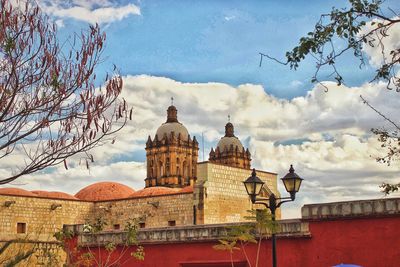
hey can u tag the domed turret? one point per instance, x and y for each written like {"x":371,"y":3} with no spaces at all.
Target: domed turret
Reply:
{"x":230,"y":151}
{"x":172,"y":125}
{"x":229,"y":139}
{"x":172,"y":154}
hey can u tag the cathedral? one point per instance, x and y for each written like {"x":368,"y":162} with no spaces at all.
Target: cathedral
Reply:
{"x":172,"y":155}
{"x":183,"y":210}
{"x":179,"y":190}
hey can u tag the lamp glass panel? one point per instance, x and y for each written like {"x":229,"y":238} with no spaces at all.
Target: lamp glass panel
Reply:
{"x":298,"y":184}
{"x":249,"y":188}
{"x":289,"y":184}
{"x":258,"y":187}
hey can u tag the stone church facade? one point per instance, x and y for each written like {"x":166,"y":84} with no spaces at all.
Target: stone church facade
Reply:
{"x":179,"y":190}
{"x":172,"y":155}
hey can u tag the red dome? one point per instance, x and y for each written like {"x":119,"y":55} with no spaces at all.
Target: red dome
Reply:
{"x":104,"y":191}
{"x":16,"y":192}
{"x":47,"y":194}
{"x":155,"y":191}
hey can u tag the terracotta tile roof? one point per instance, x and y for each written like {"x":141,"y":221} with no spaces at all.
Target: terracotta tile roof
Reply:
{"x":160,"y":190}
{"x":48,"y":194}
{"x":155,"y":191}
{"x":104,"y":191}
{"x":187,"y":189}
{"x":16,"y":192}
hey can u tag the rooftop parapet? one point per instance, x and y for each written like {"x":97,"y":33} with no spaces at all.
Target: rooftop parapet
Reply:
{"x":194,"y":233}
{"x":351,"y":209}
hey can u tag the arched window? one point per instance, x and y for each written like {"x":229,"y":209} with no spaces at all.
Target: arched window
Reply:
{"x":178,"y":171}
{"x":161,"y":169}
{"x":185,"y":173}
{"x":151,"y":168}
{"x":167,"y":167}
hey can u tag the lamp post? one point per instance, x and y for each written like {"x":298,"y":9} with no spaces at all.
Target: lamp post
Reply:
{"x":254,"y":185}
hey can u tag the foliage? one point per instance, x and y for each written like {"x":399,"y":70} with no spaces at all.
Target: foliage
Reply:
{"x":97,"y":226}
{"x":85,"y":259}
{"x":362,"y":25}
{"x":131,"y":228}
{"x":349,"y":26}
{"x":391,"y":141}
{"x":115,"y":252}
{"x":50,"y":108}
{"x":139,"y":253}
{"x":63,"y":234}
{"x":389,"y":188}
{"x":239,"y":236}
{"x":264,"y":223}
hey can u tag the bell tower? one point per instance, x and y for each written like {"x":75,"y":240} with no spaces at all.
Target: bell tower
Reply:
{"x":172,"y":155}
{"x":230,"y":150}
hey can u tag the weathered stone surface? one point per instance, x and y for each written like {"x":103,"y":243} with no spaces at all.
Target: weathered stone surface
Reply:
{"x":41,"y":220}
{"x":359,"y":208}
{"x":221,"y":196}
{"x":195,"y":233}
{"x":153,"y":211}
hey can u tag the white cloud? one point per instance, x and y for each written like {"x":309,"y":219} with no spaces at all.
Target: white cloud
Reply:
{"x":326,"y":135}
{"x":126,"y":172}
{"x":295,"y":84}
{"x":88,"y":10}
{"x":228,"y":18}
{"x":380,"y":52}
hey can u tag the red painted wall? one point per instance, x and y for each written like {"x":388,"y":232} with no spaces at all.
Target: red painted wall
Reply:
{"x":372,"y":242}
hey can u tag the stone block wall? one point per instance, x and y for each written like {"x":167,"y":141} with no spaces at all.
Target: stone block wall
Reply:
{"x":220,"y":196}
{"x":154,"y":211}
{"x":41,"y":220}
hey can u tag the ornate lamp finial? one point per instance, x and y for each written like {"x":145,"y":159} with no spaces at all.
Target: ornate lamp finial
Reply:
{"x":172,"y":101}
{"x":229,"y":118}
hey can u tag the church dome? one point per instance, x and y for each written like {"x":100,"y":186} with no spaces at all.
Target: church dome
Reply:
{"x":16,"y":192}
{"x":168,"y":127}
{"x":104,"y":191}
{"x":229,"y":139}
{"x":226,"y":142}
{"x":172,"y":125}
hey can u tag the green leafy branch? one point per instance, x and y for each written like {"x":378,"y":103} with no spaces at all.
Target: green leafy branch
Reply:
{"x":347,"y":25}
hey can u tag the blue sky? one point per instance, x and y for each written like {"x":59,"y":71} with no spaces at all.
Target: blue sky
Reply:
{"x":219,"y":41}
{"x":205,"y":54}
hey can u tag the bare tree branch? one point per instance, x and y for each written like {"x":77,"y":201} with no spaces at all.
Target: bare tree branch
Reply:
{"x":50,"y":107}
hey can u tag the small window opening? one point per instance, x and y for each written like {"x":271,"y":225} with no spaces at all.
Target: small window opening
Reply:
{"x":142,"y":225}
{"x":21,"y":228}
{"x":171,"y":223}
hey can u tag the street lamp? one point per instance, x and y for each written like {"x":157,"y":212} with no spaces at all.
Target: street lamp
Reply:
{"x":254,"y":185}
